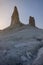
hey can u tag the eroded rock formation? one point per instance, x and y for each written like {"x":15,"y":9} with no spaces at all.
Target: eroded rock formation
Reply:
{"x":32,"y":21}
{"x":15,"y":21}
{"x":15,"y":17}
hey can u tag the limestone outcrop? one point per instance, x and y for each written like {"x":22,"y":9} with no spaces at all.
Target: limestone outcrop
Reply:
{"x":15,"y":18}
{"x":15,"y":21}
{"x":31,"y":21}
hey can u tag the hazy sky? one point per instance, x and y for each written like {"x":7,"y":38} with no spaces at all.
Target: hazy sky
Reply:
{"x":26,"y":8}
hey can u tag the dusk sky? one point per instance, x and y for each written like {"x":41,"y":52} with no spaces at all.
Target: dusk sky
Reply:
{"x":26,"y":8}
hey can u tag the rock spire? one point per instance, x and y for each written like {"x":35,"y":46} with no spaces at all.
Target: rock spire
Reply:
{"x":31,"y":21}
{"x":15,"y":21}
{"x":15,"y":17}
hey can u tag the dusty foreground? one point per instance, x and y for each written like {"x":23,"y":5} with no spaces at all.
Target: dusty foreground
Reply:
{"x":21,"y":47}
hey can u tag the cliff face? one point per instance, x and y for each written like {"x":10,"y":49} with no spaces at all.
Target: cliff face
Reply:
{"x":32,"y":21}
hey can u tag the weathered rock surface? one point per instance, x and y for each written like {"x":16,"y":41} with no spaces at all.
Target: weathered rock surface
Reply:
{"x":15,"y":17}
{"x":32,"y":21}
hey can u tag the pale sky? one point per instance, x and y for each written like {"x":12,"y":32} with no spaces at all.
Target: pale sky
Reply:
{"x":26,"y":8}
